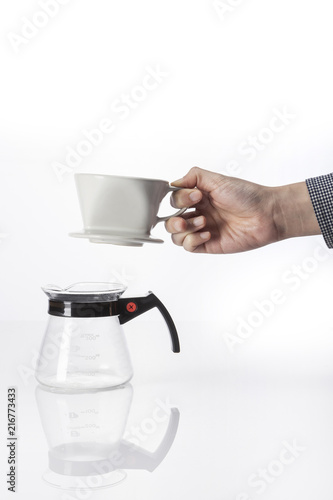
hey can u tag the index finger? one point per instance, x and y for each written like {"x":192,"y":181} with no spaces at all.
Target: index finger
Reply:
{"x":185,"y":198}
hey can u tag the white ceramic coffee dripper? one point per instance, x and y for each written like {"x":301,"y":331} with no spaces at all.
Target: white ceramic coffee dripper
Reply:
{"x":121,"y":210}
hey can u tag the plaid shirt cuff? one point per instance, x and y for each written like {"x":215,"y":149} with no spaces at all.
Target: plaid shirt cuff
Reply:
{"x":321,"y":194}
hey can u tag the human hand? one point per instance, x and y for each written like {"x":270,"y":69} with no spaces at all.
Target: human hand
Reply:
{"x":233,"y":215}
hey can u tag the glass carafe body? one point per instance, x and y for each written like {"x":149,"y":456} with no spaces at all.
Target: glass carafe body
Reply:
{"x":84,"y":353}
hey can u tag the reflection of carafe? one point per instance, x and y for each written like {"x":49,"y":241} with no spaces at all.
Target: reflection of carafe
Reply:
{"x":84,"y":346}
{"x":84,"y":431}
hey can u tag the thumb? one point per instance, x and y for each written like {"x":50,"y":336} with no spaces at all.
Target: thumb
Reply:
{"x":199,"y":178}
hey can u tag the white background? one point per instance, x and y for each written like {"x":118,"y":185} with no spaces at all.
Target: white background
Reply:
{"x":225,"y":79}
{"x":226,"y":75}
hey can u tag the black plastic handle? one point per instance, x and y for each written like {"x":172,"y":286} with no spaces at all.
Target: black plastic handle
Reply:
{"x":132,"y":307}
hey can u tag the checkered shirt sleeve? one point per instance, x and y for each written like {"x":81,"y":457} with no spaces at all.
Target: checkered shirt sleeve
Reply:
{"x":321,"y":194}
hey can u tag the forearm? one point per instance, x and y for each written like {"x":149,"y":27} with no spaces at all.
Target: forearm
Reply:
{"x":293,"y":212}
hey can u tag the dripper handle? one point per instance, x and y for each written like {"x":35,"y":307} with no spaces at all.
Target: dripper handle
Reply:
{"x":177,"y":214}
{"x":130,"y":308}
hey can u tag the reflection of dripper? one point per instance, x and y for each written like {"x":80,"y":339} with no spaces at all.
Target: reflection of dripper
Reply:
{"x":84,"y":432}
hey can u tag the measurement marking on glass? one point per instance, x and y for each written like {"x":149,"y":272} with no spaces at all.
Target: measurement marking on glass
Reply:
{"x":89,"y":336}
{"x":91,"y":358}
{"x":88,"y":357}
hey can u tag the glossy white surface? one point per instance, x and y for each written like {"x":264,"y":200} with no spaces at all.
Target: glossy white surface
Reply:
{"x":240,"y":414}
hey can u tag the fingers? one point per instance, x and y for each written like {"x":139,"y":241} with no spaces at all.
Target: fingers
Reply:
{"x":180,"y":225}
{"x":185,"y":198}
{"x":200,"y":178}
{"x":188,"y":233}
{"x":193,"y":241}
